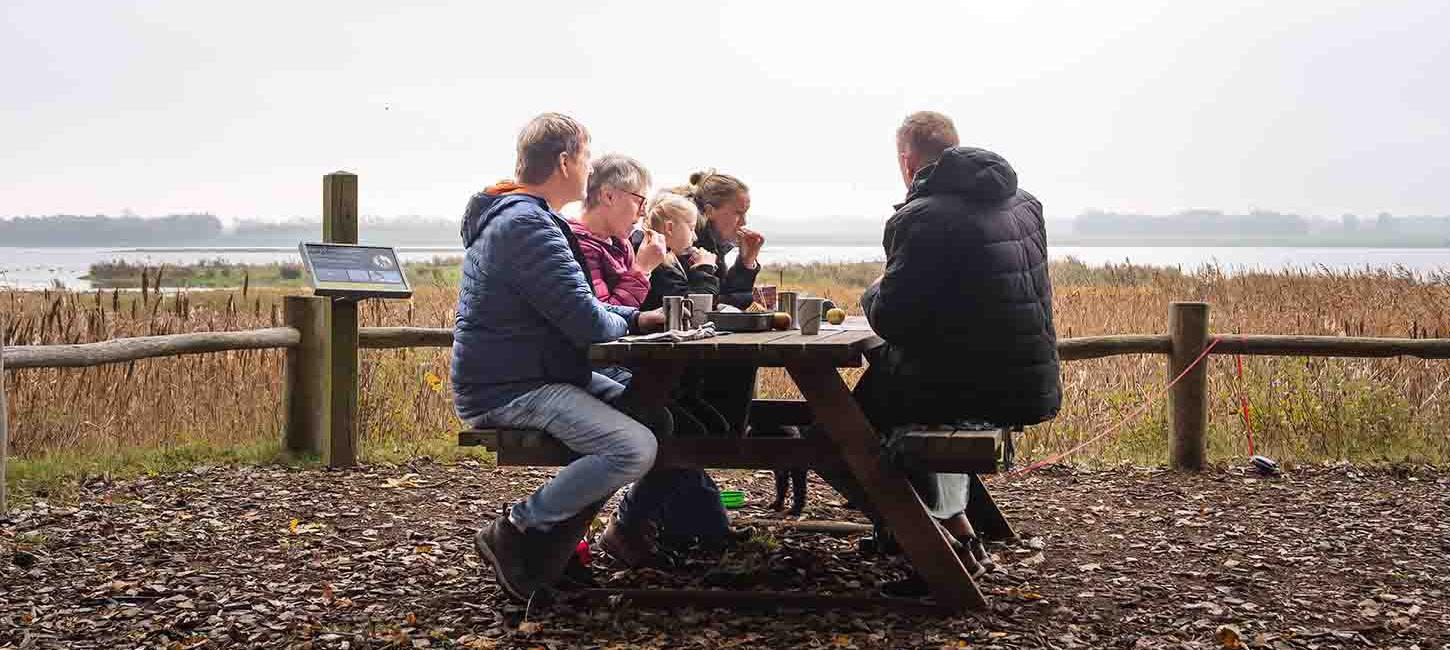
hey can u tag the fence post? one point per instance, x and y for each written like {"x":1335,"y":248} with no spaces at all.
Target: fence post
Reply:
{"x":339,"y":226}
{"x":307,"y":377}
{"x":1188,"y":401}
{"x":4,"y":423}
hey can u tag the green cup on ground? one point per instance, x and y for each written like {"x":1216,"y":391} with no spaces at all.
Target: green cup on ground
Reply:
{"x":732,"y":498}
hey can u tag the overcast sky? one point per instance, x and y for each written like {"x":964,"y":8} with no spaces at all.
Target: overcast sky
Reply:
{"x":238,"y":108}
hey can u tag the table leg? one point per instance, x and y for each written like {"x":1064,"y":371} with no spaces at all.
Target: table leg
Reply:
{"x":891,"y":492}
{"x":987,"y":519}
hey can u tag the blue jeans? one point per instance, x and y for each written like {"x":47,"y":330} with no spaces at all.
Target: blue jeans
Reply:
{"x":616,"y":450}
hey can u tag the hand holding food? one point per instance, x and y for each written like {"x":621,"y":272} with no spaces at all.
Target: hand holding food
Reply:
{"x":651,"y":252}
{"x":701,"y":257}
{"x":750,"y":244}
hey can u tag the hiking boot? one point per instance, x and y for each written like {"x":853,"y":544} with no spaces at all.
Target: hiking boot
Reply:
{"x":549,"y":551}
{"x":505,"y":547}
{"x":630,"y":545}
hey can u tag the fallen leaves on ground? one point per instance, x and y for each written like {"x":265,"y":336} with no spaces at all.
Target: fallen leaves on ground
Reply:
{"x":1322,"y":557}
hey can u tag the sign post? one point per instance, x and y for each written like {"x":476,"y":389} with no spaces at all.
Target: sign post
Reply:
{"x":339,"y":225}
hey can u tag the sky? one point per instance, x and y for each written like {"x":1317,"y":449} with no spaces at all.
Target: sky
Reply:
{"x":239,"y":108}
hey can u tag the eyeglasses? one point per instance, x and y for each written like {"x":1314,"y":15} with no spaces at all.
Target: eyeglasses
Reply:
{"x":639,"y":196}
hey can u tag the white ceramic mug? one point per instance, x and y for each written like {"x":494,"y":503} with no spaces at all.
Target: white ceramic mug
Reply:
{"x":808,"y":310}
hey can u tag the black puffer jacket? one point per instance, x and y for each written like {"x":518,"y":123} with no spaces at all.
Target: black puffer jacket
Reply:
{"x":965,"y":304}
{"x":675,"y":277}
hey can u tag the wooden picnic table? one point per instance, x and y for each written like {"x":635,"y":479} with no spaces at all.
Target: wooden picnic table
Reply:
{"x":849,"y":442}
{"x":812,"y":362}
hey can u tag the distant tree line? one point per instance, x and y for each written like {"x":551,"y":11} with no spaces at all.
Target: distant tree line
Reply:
{"x":206,"y":230}
{"x":1193,"y":227}
{"x":1262,"y":227}
{"x":75,"y":230}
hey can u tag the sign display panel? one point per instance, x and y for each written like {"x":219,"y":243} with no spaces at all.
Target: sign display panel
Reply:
{"x":352,"y":271}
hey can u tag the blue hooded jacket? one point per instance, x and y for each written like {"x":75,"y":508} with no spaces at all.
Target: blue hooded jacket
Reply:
{"x":526,"y":311}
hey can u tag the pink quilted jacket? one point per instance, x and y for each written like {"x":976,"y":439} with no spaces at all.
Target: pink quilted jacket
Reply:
{"x":611,"y":268}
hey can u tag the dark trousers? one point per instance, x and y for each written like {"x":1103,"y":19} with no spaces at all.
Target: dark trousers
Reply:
{"x":730,"y":390}
{"x":686,"y":502}
{"x":682,"y":502}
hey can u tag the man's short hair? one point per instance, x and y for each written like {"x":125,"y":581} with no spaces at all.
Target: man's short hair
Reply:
{"x":540,"y":143}
{"x":926,"y":134}
{"x":615,"y":171}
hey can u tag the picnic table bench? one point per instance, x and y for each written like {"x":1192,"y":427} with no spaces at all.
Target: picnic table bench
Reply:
{"x":849,"y":441}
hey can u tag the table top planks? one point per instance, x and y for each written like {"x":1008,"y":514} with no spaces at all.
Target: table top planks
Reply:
{"x":838,"y":345}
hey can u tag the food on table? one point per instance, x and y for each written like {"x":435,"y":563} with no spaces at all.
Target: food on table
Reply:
{"x":780,"y":320}
{"x":836,"y":315}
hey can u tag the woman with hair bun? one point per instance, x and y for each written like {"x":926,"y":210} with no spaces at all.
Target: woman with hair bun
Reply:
{"x":723,"y":201}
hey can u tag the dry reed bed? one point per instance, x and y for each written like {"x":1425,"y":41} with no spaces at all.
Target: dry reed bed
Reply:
{"x":1305,"y":409}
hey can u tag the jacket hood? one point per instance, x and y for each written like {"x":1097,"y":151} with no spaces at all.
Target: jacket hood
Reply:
{"x":978,"y":174}
{"x":479,"y":205}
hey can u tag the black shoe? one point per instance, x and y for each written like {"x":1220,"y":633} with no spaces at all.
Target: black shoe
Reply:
{"x":506,"y":548}
{"x":881,"y":542}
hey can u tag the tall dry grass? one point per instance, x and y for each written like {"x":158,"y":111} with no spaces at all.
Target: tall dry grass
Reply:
{"x":1303,"y":409}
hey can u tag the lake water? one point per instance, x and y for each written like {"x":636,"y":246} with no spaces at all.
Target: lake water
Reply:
{"x":31,"y":268}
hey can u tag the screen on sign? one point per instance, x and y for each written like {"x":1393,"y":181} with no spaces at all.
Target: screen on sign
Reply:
{"x":342,"y":269}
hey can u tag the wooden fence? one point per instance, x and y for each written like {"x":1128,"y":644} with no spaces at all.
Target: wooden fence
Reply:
{"x":322,"y":340}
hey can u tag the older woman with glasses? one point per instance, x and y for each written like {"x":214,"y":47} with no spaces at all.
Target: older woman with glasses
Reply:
{"x":613,"y":202}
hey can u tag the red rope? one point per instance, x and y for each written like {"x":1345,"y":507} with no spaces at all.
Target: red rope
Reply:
{"x":1131,"y":416}
{"x":1244,"y":402}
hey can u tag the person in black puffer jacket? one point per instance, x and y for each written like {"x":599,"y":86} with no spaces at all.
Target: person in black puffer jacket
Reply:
{"x":965,"y":308}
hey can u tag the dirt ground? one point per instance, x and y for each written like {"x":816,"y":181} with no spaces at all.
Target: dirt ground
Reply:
{"x":1323,"y":557}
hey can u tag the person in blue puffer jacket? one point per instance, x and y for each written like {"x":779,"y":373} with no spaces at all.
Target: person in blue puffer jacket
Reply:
{"x":525,"y":319}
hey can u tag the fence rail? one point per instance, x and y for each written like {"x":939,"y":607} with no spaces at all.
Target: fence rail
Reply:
{"x":379,"y":338}
{"x":86,"y":355}
{"x":1331,"y":346}
{"x":1095,"y":347}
